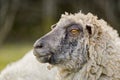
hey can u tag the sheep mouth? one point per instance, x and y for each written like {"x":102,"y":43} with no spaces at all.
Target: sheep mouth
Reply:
{"x":44,"y":56}
{"x":48,"y":58}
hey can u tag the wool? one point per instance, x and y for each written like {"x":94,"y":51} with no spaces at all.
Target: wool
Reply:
{"x":101,"y":45}
{"x":28,"y":68}
{"x":104,"y":50}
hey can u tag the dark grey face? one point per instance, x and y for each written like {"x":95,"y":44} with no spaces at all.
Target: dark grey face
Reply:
{"x":64,"y":46}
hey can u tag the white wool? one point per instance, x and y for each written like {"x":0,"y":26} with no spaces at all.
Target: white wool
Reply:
{"x":28,"y":68}
{"x":103,"y":62}
{"x":104,"y":50}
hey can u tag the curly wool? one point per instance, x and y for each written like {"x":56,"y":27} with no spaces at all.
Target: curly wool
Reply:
{"x":103,"y":53}
{"x":104,"y":50}
{"x":28,"y":68}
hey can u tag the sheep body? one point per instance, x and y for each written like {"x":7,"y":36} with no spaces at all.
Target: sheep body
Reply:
{"x":28,"y":68}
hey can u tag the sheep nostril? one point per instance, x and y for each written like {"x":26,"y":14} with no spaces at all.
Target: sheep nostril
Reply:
{"x":39,"y":46}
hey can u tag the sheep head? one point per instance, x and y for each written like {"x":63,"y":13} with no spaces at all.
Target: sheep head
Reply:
{"x":66,"y":44}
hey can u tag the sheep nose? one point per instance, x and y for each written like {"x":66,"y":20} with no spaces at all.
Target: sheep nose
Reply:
{"x":39,"y":44}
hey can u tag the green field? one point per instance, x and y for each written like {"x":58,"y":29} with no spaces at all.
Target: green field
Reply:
{"x":12,"y":52}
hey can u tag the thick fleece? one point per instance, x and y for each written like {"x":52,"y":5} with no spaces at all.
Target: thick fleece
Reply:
{"x":28,"y":68}
{"x":83,"y":47}
{"x":103,"y":50}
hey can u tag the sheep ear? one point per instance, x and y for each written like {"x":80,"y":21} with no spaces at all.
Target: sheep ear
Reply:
{"x":89,"y":29}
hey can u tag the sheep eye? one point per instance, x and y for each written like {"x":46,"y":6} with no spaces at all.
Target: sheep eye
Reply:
{"x":75,"y":32}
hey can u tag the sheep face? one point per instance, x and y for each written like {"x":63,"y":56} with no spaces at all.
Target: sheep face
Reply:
{"x":63,"y":46}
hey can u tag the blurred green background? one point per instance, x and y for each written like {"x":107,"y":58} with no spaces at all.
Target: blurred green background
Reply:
{"x":22,"y":22}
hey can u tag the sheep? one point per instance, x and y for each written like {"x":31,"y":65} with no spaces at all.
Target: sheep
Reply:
{"x":28,"y":68}
{"x":82,"y":47}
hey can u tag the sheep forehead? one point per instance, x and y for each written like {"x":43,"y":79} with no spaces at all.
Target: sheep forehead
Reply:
{"x":78,"y":18}
{"x":65,"y":21}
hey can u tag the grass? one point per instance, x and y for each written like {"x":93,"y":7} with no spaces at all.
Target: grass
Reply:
{"x":12,"y":52}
